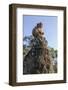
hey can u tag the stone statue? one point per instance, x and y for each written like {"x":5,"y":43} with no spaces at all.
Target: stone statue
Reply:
{"x":38,"y":59}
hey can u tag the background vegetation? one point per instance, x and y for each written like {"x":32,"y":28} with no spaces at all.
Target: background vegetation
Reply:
{"x":27,"y":43}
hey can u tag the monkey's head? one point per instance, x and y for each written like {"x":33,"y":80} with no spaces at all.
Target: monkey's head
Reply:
{"x":38,"y":30}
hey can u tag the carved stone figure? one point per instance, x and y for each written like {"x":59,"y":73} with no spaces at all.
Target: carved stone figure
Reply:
{"x":38,"y":59}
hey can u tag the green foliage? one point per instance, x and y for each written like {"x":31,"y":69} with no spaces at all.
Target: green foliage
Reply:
{"x":28,"y":40}
{"x":27,"y":44}
{"x":53,"y":52}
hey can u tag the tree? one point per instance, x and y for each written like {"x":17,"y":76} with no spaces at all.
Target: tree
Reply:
{"x":55,"y":53}
{"x":27,"y":41}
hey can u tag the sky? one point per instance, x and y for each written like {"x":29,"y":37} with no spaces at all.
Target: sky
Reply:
{"x":49,"y":26}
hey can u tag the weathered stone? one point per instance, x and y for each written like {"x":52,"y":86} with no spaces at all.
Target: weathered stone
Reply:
{"x":38,"y":59}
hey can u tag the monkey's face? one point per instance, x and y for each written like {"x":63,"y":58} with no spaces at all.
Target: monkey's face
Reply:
{"x":40,"y":32}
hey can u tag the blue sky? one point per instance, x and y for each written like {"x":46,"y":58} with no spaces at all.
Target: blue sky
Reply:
{"x":49,"y":26}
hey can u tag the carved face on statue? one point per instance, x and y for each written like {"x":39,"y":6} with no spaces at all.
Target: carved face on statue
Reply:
{"x":38,"y":30}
